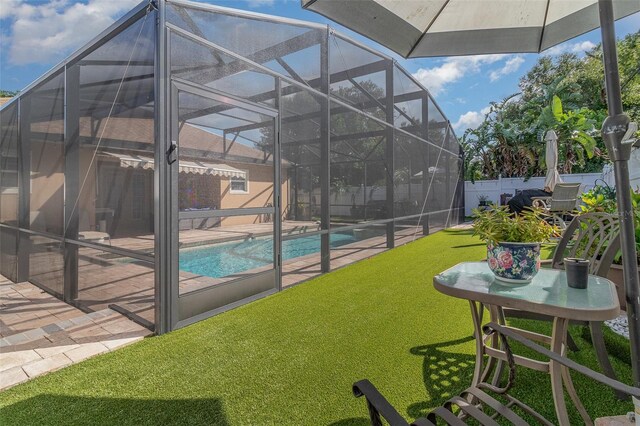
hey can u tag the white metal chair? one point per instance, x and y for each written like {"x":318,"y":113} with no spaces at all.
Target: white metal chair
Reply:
{"x":561,"y":204}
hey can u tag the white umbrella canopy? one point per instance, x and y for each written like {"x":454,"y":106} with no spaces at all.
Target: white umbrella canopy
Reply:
{"x":551,"y":160}
{"x":420,"y":28}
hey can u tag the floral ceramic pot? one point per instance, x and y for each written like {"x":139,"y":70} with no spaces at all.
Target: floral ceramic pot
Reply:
{"x":514,"y":262}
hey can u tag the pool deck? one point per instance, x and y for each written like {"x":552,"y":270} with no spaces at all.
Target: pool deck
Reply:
{"x":126,"y":285}
{"x":105,"y":282}
{"x":196,"y":237}
{"x":130,"y":286}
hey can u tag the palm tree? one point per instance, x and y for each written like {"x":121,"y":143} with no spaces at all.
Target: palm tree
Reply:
{"x":509,"y":141}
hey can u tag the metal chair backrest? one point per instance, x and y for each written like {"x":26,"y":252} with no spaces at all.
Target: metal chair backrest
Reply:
{"x":564,"y":197}
{"x":594,"y":236}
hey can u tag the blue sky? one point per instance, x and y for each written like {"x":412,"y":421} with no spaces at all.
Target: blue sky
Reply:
{"x":36,"y":35}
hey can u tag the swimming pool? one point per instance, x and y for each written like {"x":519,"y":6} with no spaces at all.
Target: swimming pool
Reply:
{"x":221,"y":260}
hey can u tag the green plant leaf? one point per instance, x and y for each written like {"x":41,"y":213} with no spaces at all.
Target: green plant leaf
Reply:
{"x":587,"y":141}
{"x":556,"y":108}
{"x":498,"y":224}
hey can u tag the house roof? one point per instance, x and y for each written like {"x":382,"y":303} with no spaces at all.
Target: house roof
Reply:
{"x":141,"y":131}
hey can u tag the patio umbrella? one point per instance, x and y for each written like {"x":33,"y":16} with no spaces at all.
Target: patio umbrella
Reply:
{"x":551,"y":160}
{"x":421,"y":28}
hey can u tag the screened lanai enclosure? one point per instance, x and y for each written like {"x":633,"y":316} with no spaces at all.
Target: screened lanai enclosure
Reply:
{"x":193,"y":158}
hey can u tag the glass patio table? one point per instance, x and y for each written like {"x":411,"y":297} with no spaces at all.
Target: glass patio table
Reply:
{"x":549,"y":294}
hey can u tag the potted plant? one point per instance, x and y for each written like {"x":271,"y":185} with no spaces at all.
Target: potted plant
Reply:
{"x":513,"y":241}
{"x":483,"y":200}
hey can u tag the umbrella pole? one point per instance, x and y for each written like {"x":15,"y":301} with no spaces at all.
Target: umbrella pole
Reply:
{"x":613,"y":130}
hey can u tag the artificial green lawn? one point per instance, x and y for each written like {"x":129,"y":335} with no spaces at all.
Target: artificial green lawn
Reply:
{"x":291,"y":358}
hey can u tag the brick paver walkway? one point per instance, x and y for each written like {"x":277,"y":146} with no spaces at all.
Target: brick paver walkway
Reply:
{"x":40,"y":334}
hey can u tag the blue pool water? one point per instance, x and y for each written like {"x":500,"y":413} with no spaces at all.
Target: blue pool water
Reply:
{"x":221,"y":260}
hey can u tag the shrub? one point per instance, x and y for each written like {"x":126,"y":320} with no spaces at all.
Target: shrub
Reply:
{"x":498,"y":224}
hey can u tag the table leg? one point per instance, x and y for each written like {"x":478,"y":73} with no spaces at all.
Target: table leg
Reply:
{"x":497,"y":316}
{"x":476,"y":315}
{"x":491,"y":362}
{"x":558,"y":338}
{"x":603,"y":357}
{"x":571,"y":390}
{"x":493,"y":365}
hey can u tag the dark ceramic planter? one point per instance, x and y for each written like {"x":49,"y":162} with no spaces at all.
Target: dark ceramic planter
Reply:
{"x":514,"y":263}
{"x":577,"y":272}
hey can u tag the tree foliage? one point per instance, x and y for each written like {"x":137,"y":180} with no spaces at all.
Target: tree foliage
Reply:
{"x":7,"y":93}
{"x":564,"y":94}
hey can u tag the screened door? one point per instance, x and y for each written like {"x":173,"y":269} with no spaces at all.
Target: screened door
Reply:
{"x":224,"y":154}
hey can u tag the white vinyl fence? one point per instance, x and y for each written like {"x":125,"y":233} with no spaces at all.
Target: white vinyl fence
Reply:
{"x":634,"y":171}
{"x":341,"y":202}
{"x":493,"y":188}
{"x":410,"y":194}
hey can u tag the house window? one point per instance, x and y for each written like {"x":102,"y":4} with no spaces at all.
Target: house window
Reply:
{"x":198,"y":192}
{"x":240,"y":185}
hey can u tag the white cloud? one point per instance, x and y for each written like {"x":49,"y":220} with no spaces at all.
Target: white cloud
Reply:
{"x":453,"y":69}
{"x":50,"y":30}
{"x":512,"y":65}
{"x":578,"y":47}
{"x":471,"y":119}
{"x":582,"y":47}
{"x":8,"y":7}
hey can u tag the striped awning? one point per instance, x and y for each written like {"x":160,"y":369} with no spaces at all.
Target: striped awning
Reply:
{"x":194,"y":167}
{"x":200,"y":168}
